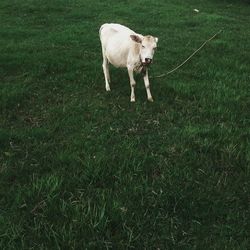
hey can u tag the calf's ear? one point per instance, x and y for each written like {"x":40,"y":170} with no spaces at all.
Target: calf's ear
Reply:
{"x":136,"y":38}
{"x":156,"y":39}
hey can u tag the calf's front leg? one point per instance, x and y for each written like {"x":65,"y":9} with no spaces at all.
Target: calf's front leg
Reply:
{"x":132,"y":83}
{"x":147,"y":86}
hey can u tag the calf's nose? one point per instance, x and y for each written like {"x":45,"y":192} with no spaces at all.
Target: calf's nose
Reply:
{"x":148,"y":60}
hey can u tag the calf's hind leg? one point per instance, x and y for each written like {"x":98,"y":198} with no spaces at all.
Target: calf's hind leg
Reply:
{"x":105,"y":66}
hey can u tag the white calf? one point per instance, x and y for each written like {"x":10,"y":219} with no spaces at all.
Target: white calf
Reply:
{"x":122,"y":47}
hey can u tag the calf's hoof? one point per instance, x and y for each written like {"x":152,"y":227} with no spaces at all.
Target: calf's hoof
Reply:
{"x":132,"y":100}
{"x":108,"y":88}
{"x":150,"y":99}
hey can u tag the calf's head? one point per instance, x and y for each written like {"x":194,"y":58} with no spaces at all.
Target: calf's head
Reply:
{"x":147,"y":46}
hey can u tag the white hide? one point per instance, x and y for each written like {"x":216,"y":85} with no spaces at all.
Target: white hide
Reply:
{"x":122,"y":47}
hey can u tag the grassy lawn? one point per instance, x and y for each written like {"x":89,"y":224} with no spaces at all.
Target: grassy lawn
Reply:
{"x":84,"y":169}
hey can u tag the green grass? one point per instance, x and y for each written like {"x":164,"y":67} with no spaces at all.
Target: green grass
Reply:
{"x":84,"y":169}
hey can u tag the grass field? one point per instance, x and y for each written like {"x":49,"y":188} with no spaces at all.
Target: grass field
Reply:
{"x":85,"y":169}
